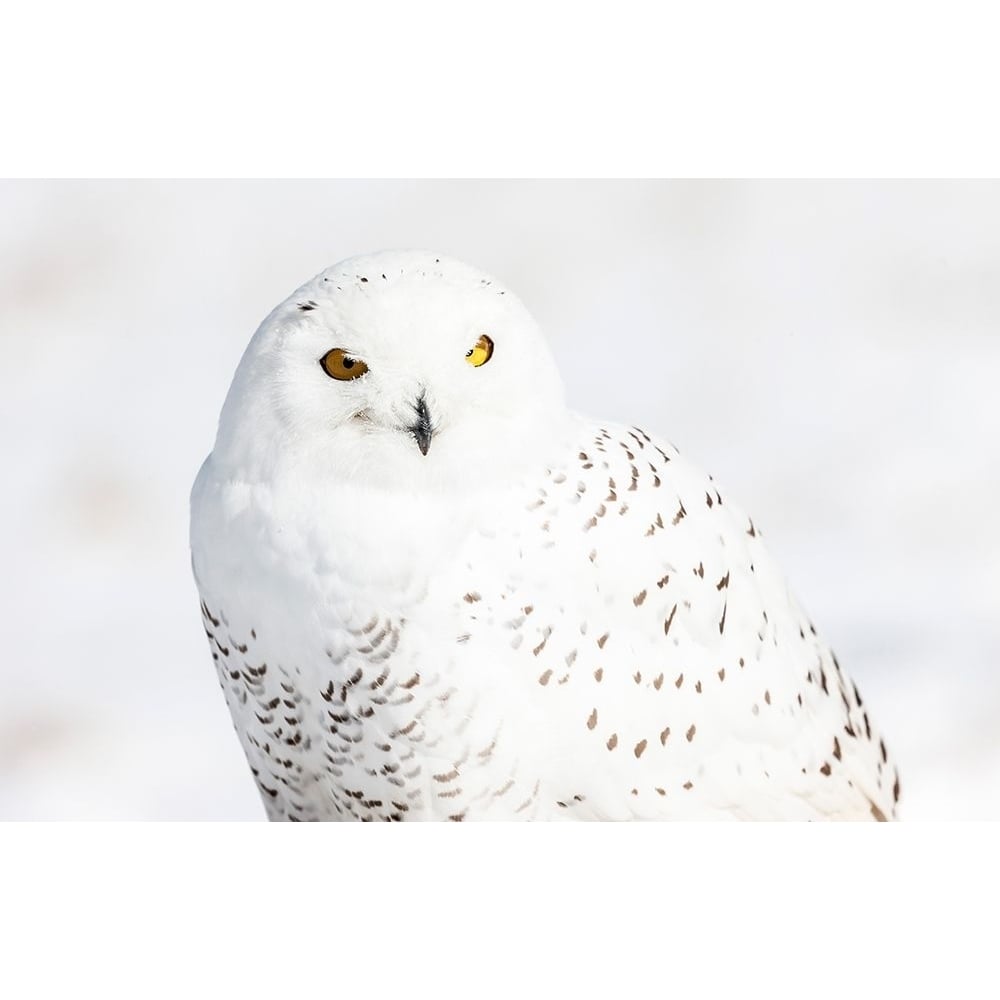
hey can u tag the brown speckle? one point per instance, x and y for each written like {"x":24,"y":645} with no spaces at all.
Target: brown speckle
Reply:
{"x":599,"y":674}
{"x":825,"y":769}
{"x":664,"y":736}
{"x":544,"y":678}
{"x":669,"y":620}
{"x":639,"y":748}
{"x":504,"y":788}
{"x":592,"y":721}
{"x":689,"y":735}
{"x":613,"y":741}
{"x":540,"y":646}
{"x":639,"y":598}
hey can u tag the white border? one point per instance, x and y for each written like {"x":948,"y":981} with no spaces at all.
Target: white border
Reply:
{"x":443,"y":88}
{"x":546,"y":910}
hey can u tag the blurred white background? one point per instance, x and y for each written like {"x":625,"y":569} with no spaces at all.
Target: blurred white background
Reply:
{"x":829,"y":350}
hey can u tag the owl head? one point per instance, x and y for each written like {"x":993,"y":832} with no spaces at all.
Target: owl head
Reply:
{"x":399,"y":368}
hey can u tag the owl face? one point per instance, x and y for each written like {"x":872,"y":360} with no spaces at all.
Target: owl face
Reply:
{"x":398,"y":367}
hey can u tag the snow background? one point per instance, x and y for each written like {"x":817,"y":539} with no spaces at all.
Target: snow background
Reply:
{"x":829,"y":350}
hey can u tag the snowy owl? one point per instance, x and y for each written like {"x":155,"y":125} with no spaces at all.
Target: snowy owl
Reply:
{"x":432,"y":591}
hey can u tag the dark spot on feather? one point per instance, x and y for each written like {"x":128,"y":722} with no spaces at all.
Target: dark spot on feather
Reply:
{"x":669,"y":620}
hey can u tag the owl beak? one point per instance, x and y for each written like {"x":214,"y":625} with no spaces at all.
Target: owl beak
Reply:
{"x":421,"y":430}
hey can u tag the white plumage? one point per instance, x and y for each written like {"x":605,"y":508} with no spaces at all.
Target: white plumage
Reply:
{"x":431,"y":591}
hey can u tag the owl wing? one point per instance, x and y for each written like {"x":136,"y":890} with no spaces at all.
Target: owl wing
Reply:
{"x":669,"y":668}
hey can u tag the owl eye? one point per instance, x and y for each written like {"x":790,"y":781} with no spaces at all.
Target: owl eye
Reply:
{"x":341,"y":366}
{"x":478,"y":356}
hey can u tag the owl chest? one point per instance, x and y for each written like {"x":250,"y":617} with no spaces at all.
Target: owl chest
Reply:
{"x":364,"y":707}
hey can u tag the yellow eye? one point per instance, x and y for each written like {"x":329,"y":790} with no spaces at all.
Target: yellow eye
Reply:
{"x":481,"y":353}
{"x":341,"y":366}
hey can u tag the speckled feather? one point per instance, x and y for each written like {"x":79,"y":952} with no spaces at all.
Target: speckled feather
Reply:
{"x":575,"y":623}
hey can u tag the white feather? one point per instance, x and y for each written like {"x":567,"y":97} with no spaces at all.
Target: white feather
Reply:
{"x":542,"y":617}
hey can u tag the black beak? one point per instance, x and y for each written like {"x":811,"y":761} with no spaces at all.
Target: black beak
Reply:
{"x":421,"y":430}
